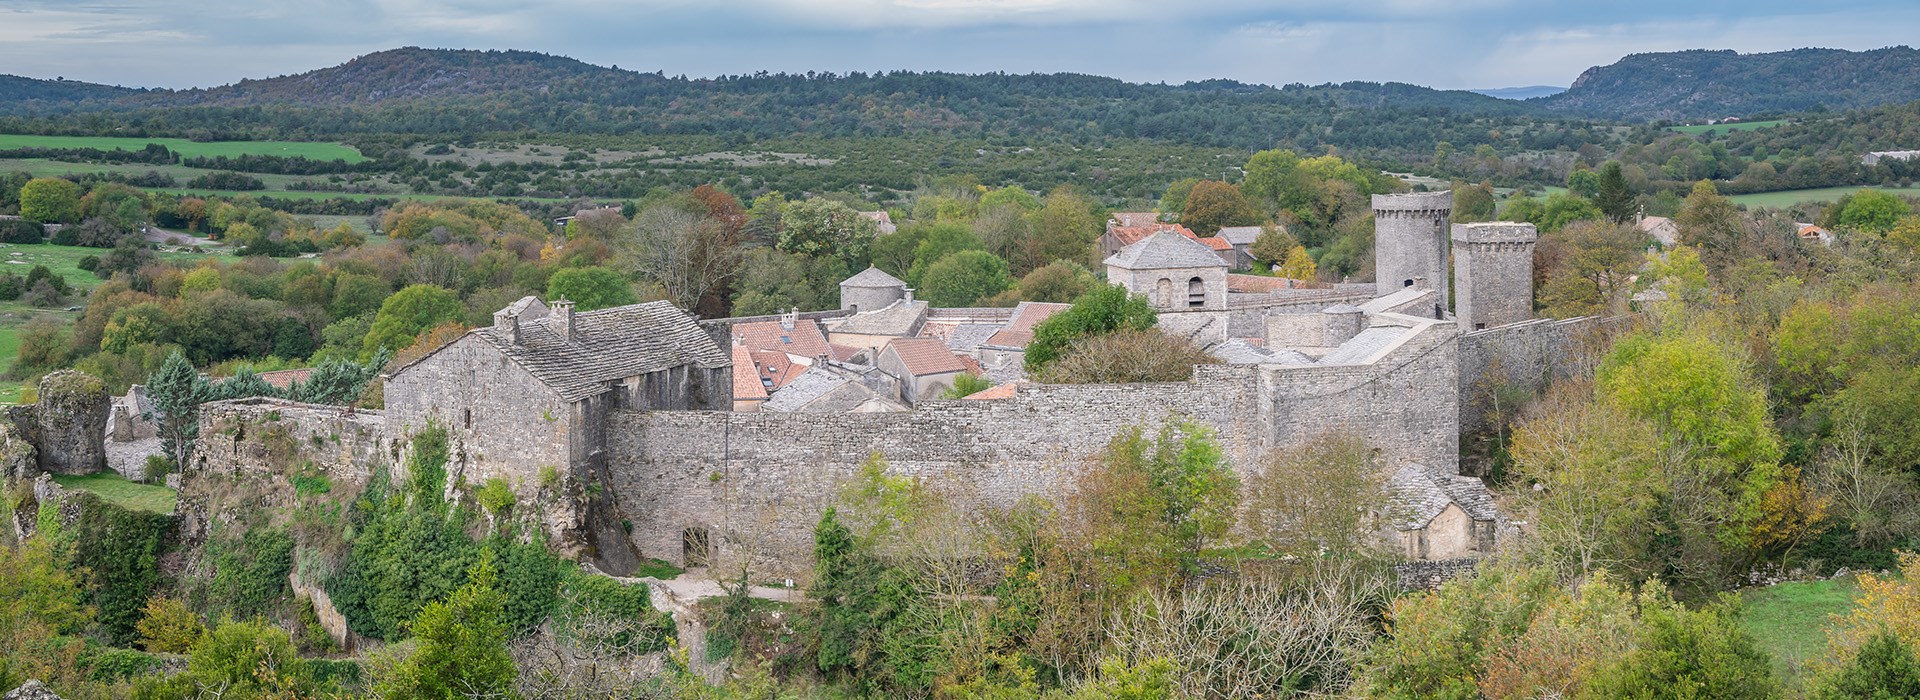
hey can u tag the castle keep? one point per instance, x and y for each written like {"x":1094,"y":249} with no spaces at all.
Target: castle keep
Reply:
{"x":696,"y":441}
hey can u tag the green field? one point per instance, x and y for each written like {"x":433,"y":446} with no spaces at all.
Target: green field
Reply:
{"x":191,"y":149}
{"x":64,"y":261}
{"x":1696,"y":129}
{"x":110,"y":487}
{"x":1790,"y":621}
{"x":1788,"y":198}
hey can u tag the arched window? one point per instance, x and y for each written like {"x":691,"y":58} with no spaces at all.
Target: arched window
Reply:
{"x":1196,"y":293}
{"x":1163,"y":294}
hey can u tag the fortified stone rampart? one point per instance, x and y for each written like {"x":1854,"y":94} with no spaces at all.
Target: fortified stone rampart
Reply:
{"x":1501,"y":366}
{"x":1410,"y":241}
{"x":710,"y":484}
{"x":262,"y":436}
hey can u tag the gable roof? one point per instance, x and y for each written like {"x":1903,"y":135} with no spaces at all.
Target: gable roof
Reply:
{"x":1239,"y":235}
{"x":873,"y":278}
{"x":1417,"y":496}
{"x":608,"y":345}
{"x":1019,"y":332}
{"x":1133,"y":218}
{"x":1364,"y":345}
{"x":1217,"y":243}
{"x":1164,"y":251}
{"x":284,"y":378}
{"x":925,"y":356}
{"x":746,"y":385}
{"x":1129,"y":235}
{"x":805,"y":389}
{"x":803,"y":338}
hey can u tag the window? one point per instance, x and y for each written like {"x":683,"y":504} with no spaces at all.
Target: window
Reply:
{"x":1407,"y":283}
{"x":469,"y":419}
{"x":1163,"y":294}
{"x":1196,"y":293}
{"x":786,"y":339}
{"x":1479,"y":326}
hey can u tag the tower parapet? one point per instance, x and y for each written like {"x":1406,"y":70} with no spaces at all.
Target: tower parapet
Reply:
{"x":1410,"y":241}
{"x":1493,"y":273}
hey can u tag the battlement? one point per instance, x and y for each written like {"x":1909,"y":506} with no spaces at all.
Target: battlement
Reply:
{"x":1495,"y":232}
{"x":1412,"y":202}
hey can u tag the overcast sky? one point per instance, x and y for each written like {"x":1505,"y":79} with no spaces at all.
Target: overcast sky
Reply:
{"x":1441,"y":43}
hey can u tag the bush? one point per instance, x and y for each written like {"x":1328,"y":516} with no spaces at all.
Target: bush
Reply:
{"x":227,"y":181}
{"x":19,"y":231}
{"x":88,"y":263}
{"x":250,"y":572}
{"x":120,"y":548}
{"x":1127,"y":356}
{"x":1102,"y":310}
{"x":169,"y":627}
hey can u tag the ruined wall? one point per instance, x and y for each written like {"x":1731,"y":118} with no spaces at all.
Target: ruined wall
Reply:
{"x":759,"y":481}
{"x":250,"y":436}
{"x":72,"y":410}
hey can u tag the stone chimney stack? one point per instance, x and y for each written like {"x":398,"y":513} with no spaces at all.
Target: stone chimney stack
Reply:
{"x":508,"y":323}
{"x":560,"y":320}
{"x":789,"y":319}
{"x":909,"y":297}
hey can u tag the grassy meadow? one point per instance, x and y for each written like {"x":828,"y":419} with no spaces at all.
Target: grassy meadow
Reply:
{"x":1697,"y":129}
{"x":1790,"y":621}
{"x":191,"y":149}
{"x":1787,"y":198}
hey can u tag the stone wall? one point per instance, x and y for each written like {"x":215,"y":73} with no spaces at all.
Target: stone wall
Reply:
{"x":1499,"y":366}
{"x":758,"y":482}
{"x":501,"y":421}
{"x":256,"y":436}
{"x":72,"y":409}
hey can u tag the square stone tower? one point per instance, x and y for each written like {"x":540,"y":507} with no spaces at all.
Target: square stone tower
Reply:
{"x":1410,"y":242}
{"x":1493,"y":274}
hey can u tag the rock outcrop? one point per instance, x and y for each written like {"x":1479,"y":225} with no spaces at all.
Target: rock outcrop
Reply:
{"x":72,"y":410}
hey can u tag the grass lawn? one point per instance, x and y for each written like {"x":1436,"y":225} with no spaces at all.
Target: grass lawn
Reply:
{"x":1790,"y":621}
{"x":658,"y":569}
{"x":1696,"y":129}
{"x":111,"y":488}
{"x":191,"y":149}
{"x":1788,"y":198}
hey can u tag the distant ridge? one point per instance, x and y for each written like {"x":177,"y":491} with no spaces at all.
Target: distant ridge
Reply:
{"x":1521,"y":93}
{"x":1708,"y":84}
{"x":14,"y":88}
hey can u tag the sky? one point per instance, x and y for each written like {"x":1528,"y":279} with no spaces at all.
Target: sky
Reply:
{"x":1457,"y":44}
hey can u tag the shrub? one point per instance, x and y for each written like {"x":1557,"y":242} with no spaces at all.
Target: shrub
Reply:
{"x":121,"y":549}
{"x":19,"y":231}
{"x":1126,"y":356}
{"x":169,"y":627}
{"x":250,"y":572}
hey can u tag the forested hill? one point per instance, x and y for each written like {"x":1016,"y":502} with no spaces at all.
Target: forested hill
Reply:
{"x":431,"y":91}
{"x":1708,"y":84}
{"x":18,"y":90}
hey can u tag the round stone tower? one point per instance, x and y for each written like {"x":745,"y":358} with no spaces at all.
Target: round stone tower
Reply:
{"x":1493,"y":274}
{"x":871,"y":290}
{"x":1410,"y":241}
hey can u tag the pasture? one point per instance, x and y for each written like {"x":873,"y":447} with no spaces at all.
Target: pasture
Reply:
{"x":1790,"y":620}
{"x":190,"y":149}
{"x":1787,"y":198}
{"x":1697,"y":129}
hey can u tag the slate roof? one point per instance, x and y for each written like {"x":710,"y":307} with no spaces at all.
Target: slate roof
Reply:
{"x":1239,"y":235}
{"x":1240,"y":351}
{"x":873,"y":278}
{"x":803,"y":339}
{"x":1026,"y":315}
{"x":807,"y":387}
{"x":1362,"y":346}
{"x":1164,"y":251}
{"x":925,"y":356}
{"x":901,"y":318}
{"x":968,"y":336}
{"x":1402,"y":297}
{"x":608,"y":345}
{"x":1417,"y":496}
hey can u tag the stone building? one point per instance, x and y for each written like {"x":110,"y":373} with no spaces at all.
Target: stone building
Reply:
{"x":924,"y":366}
{"x":531,"y":393}
{"x":1440,"y":516}
{"x":871,"y":290}
{"x":1410,"y":242}
{"x":1493,"y":273}
{"x":1174,"y":273}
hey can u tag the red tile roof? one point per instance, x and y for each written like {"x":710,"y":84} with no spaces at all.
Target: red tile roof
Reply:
{"x":1217,"y":243}
{"x":925,"y":356}
{"x":283,"y":378}
{"x":804,"y":339}
{"x":1019,"y":330}
{"x":997,"y":391}
{"x":746,"y":376}
{"x":1129,"y":235}
{"x":1134,"y":218}
{"x":775,"y":366}
{"x":973,"y":366}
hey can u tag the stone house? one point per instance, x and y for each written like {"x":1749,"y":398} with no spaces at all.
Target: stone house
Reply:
{"x":1241,"y":238}
{"x":1009,"y":343}
{"x":1660,"y":228}
{"x":924,"y":366}
{"x":1440,"y":516}
{"x":528,"y":396}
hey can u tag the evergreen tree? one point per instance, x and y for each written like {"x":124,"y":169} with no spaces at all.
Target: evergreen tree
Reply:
{"x":1884,"y":669}
{"x":177,"y":391}
{"x":1616,"y":198}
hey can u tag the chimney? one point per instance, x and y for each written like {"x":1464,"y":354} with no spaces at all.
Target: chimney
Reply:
{"x":561,"y":318}
{"x":788,"y":319}
{"x":508,"y":323}
{"x":909,"y":296}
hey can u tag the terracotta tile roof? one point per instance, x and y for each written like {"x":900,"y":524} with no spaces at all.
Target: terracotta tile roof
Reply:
{"x":997,"y":391}
{"x":842,"y":353}
{"x":283,"y":378}
{"x":775,"y":367}
{"x":1133,"y":218}
{"x":1019,"y":331}
{"x":1256,"y":284}
{"x":746,"y":385}
{"x":973,"y":366}
{"x":1217,"y":243}
{"x":925,"y":356}
{"x":803,"y":339}
{"x":1129,"y":235}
